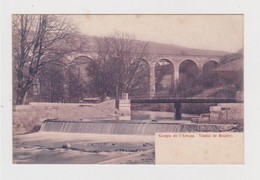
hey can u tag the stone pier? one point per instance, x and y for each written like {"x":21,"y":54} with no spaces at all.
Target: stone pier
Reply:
{"x":152,"y":80}
{"x":125,"y":105}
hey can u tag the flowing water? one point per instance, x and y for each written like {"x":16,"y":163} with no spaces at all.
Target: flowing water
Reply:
{"x":109,"y":127}
{"x":141,"y":123}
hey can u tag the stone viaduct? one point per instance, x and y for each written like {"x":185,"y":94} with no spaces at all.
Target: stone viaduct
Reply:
{"x":176,"y":60}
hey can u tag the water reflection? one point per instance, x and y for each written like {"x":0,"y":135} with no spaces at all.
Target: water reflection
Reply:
{"x":146,"y":116}
{"x":154,"y":116}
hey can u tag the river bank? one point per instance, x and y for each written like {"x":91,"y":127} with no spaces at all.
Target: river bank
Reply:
{"x":76,"y":148}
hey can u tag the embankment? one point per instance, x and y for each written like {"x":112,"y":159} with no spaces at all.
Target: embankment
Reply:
{"x":28,"y":118}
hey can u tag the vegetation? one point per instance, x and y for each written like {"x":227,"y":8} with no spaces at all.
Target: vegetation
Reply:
{"x":119,"y":66}
{"x":44,"y":71}
{"x":37,"y":41}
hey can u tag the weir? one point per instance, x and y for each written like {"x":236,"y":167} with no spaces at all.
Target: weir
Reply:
{"x":128,"y":127}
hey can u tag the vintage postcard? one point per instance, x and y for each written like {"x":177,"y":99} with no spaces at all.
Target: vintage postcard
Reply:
{"x":128,"y":89}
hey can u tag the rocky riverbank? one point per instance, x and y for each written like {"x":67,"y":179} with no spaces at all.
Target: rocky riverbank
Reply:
{"x":75,"y":148}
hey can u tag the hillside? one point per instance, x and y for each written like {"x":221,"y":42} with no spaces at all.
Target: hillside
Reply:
{"x":160,"y":48}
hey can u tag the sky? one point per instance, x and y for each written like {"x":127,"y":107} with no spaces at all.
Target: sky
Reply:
{"x":210,"y":32}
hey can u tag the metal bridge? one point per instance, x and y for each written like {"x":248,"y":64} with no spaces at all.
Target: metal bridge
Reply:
{"x":178,"y":101}
{"x":186,"y":100}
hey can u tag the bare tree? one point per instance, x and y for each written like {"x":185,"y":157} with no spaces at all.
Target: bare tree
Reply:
{"x":138,"y":78}
{"x":37,"y":41}
{"x":115,"y":69}
{"x":52,"y":82}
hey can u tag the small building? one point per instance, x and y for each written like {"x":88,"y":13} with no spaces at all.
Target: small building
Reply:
{"x":91,"y":100}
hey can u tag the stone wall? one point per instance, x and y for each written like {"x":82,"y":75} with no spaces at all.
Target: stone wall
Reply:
{"x":227,"y":113}
{"x":27,"y":118}
{"x":224,"y":113}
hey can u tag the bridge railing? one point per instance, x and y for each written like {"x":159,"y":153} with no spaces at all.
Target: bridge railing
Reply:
{"x":167,"y":96}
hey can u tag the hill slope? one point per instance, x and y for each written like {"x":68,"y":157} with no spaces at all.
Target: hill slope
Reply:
{"x":161,"y":48}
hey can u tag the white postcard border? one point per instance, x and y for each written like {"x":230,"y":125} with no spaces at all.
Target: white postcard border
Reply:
{"x":66,"y":172}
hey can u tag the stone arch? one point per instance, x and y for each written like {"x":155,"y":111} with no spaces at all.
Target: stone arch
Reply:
{"x":80,"y":64}
{"x":78,"y":77}
{"x":189,"y":66}
{"x":81,"y":59}
{"x":209,"y":65}
{"x":189,"y":79}
{"x":139,"y":78}
{"x":209,"y":78}
{"x":185,"y":61}
{"x":164,"y":77}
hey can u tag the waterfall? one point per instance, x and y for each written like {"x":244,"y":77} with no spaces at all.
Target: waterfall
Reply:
{"x":128,"y":127}
{"x":109,"y":127}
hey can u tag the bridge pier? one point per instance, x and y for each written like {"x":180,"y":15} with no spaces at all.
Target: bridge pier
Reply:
{"x":124,"y":105}
{"x":177,"y":109}
{"x":152,"y":80}
{"x":176,"y":77}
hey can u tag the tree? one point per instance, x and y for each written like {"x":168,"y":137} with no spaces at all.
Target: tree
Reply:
{"x":37,"y":41}
{"x":119,"y":66}
{"x":52,"y":82}
{"x":77,"y":86}
{"x":139,"y":78}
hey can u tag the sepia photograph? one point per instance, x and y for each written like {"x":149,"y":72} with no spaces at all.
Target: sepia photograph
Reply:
{"x":100,"y":89}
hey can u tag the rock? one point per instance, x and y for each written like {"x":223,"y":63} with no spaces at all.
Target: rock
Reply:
{"x":66,"y":146}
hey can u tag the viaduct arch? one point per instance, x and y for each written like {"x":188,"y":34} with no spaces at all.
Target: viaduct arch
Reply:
{"x":203,"y":63}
